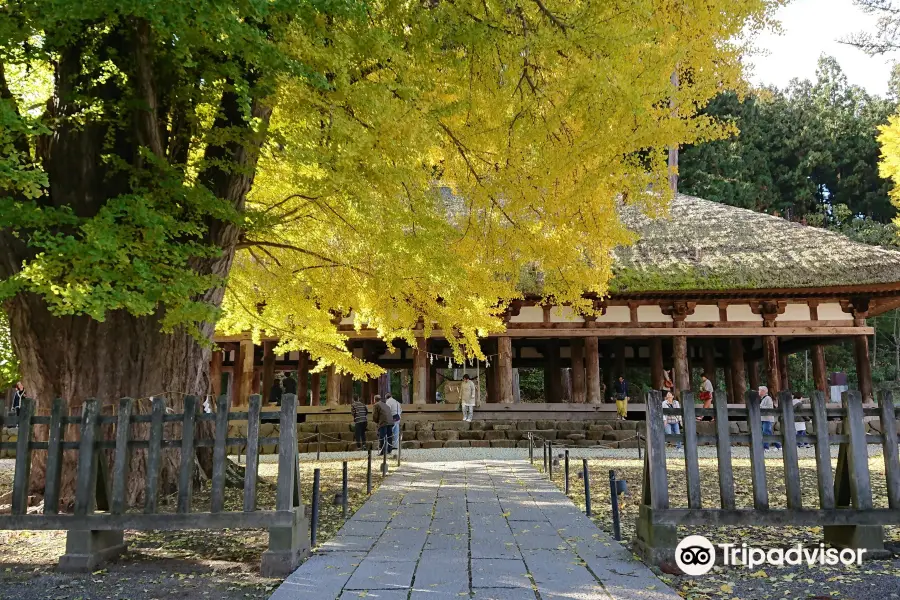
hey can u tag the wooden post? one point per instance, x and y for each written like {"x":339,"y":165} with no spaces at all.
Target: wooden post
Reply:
{"x":592,"y":369}
{"x":709,"y":361}
{"x":863,"y":367}
{"x":681,"y":373}
{"x":504,"y":359}
{"x":303,"y":379}
{"x":420,"y":372}
{"x":654,"y":542}
{"x":517,"y":390}
{"x":215,"y":374}
{"x":820,"y":378}
{"x":579,"y":391}
{"x":332,"y":387}
{"x":315,"y":383}
{"x":251,"y":470}
{"x":773,"y":374}
{"x":432,"y":382}
{"x":753,"y":374}
{"x":656,"y":364}
{"x":243,"y":372}
{"x":492,"y":384}
{"x":784,"y":379}
{"x":268,"y":376}
{"x":738,"y":382}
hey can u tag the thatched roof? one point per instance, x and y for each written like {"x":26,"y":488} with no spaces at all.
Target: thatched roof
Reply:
{"x":704,"y":245}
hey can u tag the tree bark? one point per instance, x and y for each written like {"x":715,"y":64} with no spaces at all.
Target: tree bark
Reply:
{"x":736,"y":356}
{"x":215,"y":374}
{"x":863,"y":367}
{"x":420,"y":372}
{"x":332,"y":387}
{"x":773,"y":375}
{"x":404,"y":386}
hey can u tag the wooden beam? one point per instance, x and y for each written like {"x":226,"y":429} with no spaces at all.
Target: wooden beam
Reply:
{"x":681,"y":373}
{"x":820,"y":377}
{"x":863,"y":367}
{"x":268,"y":375}
{"x":504,"y":351}
{"x":656,"y":364}
{"x":579,"y":389}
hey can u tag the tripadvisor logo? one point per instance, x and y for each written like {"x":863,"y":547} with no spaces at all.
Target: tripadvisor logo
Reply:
{"x":696,"y":555}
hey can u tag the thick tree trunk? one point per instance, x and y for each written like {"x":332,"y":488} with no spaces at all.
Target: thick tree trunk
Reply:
{"x":404,"y":386}
{"x":77,"y":358}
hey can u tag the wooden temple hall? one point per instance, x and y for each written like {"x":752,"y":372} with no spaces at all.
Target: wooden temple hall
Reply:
{"x":707,"y":286}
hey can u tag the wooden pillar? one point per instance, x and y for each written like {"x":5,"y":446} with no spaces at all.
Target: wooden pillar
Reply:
{"x":268,"y":375}
{"x":736,"y":356}
{"x":432,"y":383}
{"x":783,"y":371}
{"x":384,"y":384}
{"x":346,"y":388}
{"x":579,"y":391}
{"x":243,"y":373}
{"x":553,"y":384}
{"x":492,"y":374}
{"x":592,"y":369}
{"x":606,"y":389}
{"x":863,"y":367}
{"x":619,"y":349}
{"x":215,"y":374}
{"x":657,"y":378}
{"x":729,"y":386}
{"x":709,"y":361}
{"x":303,"y":380}
{"x":753,"y":374}
{"x":680,"y":373}
{"x":504,"y":350}
{"x":315,"y":384}
{"x":332,"y":387}
{"x":773,"y":376}
{"x":820,"y":377}
{"x":420,"y":372}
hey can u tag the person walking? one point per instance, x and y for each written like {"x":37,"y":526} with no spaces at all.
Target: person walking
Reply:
{"x":360,"y":418}
{"x":621,"y":390}
{"x":768,"y":421}
{"x":275,"y":392}
{"x":706,"y":395}
{"x":384,"y":419}
{"x":18,"y":396}
{"x":467,"y":398}
{"x":397,"y":410}
{"x":672,"y":422}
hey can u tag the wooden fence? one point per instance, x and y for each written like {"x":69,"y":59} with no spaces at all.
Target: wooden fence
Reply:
{"x":95,"y":528}
{"x":845,"y":506}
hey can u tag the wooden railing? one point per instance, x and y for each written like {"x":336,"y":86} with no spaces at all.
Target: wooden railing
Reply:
{"x":845,"y":506}
{"x":100,"y":515}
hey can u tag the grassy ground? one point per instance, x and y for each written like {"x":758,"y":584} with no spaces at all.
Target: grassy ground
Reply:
{"x":874,"y":579}
{"x":166,"y":564}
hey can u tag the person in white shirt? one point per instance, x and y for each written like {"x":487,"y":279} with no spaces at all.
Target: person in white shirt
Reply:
{"x":397,"y":410}
{"x":768,"y":421}
{"x":467,"y":397}
{"x":672,"y":422}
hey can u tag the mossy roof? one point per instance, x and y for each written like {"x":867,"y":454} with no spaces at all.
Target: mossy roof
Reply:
{"x":704,"y":245}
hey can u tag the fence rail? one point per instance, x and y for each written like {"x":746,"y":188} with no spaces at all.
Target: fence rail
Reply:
{"x":100,"y":514}
{"x":845,"y":507}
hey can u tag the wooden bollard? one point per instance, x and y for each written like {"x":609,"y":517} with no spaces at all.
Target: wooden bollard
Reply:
{"x":344,"y":490}
{"x":550,"y":463}
{"x":314,"y":518}
{"x":587,"y":488}
{"x":567,"y":472}
{"x":369,"y":471}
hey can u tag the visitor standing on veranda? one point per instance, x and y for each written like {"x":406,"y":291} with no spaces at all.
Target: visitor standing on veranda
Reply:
{"x":672,"y":422}
{"x":467,"y":398}
{"x":397,"y":410}
{"x":706,"y":395}
{"x":360,"y":417}
{"x":768,"y":421}
{"x":621,"y":389}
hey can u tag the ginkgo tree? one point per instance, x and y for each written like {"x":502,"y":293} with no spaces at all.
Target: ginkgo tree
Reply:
{"x":404,"y":160}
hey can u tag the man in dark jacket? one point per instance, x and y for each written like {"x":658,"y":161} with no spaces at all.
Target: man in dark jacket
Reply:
{"x":384,"y":418}
{"x":290,"y":386}
{"x":360,"y":416}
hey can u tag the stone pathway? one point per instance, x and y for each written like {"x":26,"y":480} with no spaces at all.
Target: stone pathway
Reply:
{"x":488,"y":530}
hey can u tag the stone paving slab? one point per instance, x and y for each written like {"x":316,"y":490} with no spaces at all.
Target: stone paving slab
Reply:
{"x":480,"y":530}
